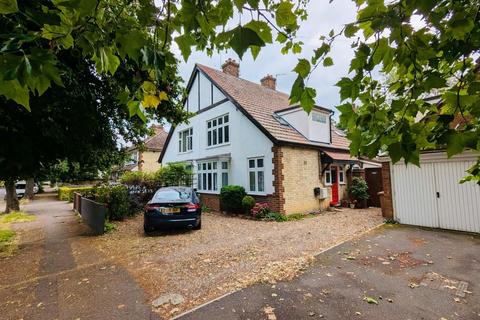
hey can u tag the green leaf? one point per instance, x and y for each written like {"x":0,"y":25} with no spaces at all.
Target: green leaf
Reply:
{"x":185,"y":43}
{"x":284,"y":15}
{"x":255,"y":50}
{"x":328,"y":62}
{"x":307,"y":100}
{"x":297,"y":89}
{"x":395,"y":151}
{"x":106,"y":60}
{"x":13,"y":90}
{"x":262,"y":29}
{"x":302,"y":68}
{"x":8,"y":6}
{"x":239,"y":4}
{"x":130,"y":43}
{"x":133,"y":107}
{"x":435,"y":80}
{"x":350,"y":30}
{"x":243,"y":38}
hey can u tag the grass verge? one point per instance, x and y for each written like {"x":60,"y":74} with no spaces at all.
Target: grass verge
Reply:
{"x":16,"y":216}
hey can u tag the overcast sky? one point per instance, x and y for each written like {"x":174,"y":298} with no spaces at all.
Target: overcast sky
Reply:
{"x":323,"y":16}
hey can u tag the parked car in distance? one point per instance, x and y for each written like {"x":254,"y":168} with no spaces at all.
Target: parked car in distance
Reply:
{"x":20,"y":188}
{"x":173,"y":207}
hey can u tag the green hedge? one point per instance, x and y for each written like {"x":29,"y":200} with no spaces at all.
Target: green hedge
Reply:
{"x":231,"y":198}
{"x":116,"y":200}
{"x":66,"y":193}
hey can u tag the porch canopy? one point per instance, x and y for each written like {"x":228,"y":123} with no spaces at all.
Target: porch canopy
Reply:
{"x":328,"y":157}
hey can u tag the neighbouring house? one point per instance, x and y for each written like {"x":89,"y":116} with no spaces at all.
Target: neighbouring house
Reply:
{"x":248,"y":134}
{"x":145,"y":157}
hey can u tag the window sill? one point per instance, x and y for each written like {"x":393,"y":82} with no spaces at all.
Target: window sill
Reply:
{"x":256,"y":193}
{"x":208,"y":191}
{"x":186,"y":152}
{"x":218,"y":145}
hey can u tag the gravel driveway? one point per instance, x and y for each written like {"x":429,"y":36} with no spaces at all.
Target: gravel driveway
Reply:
{"x":227,"y":254}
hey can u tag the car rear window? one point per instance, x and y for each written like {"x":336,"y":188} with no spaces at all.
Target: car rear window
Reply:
{"x":20,"y":186}
{"x":174,"y":195}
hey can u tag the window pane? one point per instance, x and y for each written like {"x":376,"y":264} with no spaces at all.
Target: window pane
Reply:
{"x":199,"y":181}
{"x":204,"y":181}
{"x":261,"y":181}
{"x":225,"y":118}
{"x":220,"y":135}
{"x":251,"y":163}
{"x":252,"y":180}
{"x":224,"y":179}
{"x":214,"y":181}
{"x":226,"y":137}
{"x":209,"y":166}
{"x":214,"y":136}
{"x":224,"y":165}
{"x":199,"y":166}
{"x":214,"y":166}
{"x":220,"y":121}
{"x":327,"y":177}
{"x":214,"y":123}
{"x":205,"y":166}
{"x":209,"y":181}
{"x":259,"y":163}
{"x":340,"y":176}
{"x":209,"y":138}
{"x":209,"y":124}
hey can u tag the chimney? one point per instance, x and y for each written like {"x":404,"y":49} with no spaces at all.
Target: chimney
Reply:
{"x":269,"y":81}
{"x":157,"y":128}
{"x":231,"y":67}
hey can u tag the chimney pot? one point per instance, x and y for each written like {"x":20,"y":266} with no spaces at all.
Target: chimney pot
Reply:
{"x":231,"y":67}
{"x":269,"y":81}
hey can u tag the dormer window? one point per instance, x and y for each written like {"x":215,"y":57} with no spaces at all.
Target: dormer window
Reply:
{"x":319,"y":117}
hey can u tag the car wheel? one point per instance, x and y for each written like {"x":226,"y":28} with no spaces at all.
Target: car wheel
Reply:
{"x":147,"y":229}
{"x":199,"y":226}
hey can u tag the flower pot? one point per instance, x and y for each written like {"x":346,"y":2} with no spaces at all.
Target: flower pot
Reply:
{"x":352,"y":205}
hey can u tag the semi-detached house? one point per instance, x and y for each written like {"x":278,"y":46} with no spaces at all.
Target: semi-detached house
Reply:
{"x":248,"y":134}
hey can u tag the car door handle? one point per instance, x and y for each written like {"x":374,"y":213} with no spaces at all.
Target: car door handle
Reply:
{"x":438,"y":194}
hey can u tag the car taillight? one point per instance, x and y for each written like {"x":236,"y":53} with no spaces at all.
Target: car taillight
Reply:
{"x":152,"y":206}
{"x":192,"y":207}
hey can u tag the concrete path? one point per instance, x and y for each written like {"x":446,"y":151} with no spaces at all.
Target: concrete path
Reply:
{"x":56,"y":274}
{"x":391,"y":273}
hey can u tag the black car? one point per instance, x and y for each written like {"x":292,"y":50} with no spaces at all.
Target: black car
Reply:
{"x":173,"y":207}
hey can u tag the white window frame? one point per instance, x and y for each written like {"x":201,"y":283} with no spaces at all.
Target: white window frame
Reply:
{"x":224,"y":172}
{"x":328,"y":182}
{"x":207,"y":171}
{"x":341,"y":169}
{"x":215,"y":129}
{"x":186,"y":145}
{"x":255,"y":170}
{"x":322,"y":118}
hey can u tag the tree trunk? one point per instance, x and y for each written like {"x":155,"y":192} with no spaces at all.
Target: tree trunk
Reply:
{"x":12,"y":203}
{"x":29,"y":194}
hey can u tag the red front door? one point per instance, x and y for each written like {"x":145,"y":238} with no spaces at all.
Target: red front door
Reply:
{"x":334,"y":178}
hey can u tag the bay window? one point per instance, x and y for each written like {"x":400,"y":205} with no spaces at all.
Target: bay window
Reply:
{"x":212,"y":175}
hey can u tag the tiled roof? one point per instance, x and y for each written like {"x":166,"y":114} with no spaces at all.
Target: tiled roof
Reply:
{"x":261,"y":103}
{"x":157,"y":141}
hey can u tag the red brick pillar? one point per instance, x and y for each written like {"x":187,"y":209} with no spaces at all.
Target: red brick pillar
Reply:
{"x":387,"y":202}
{"x":277,"y":200}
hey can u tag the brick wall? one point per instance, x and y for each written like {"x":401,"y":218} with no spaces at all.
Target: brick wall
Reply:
{"x":387,"y":203}
{"x":301,"y":174}
{"x":210,"y":200}
{"x":277,"y":200}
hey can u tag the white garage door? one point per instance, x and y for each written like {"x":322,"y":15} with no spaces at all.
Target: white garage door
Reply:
{"x":431,"y":196}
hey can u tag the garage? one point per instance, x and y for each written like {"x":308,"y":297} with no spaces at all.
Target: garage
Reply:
{"x":431,"y":195}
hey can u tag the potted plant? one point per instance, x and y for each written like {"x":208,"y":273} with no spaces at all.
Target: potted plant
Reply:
{"x":358,"y":192}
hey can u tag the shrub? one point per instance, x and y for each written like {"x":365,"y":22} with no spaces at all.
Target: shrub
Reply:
{"x":248,"y":202}
{"x":132,"y":178}
{"x":275,"y":216}
{"x":260,"y":210}
{"x":231,"y":198}
{"x":116,"y":200}
{"x":66,"y":193}
{"x":174,"y":174}
{"x":358,"y":190}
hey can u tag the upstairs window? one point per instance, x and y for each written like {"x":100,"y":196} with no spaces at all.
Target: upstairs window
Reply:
{"x":218,"y":131}
{"x":185,"y":140}
{"x":256,"y":175}
{"x":319,"y":117}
